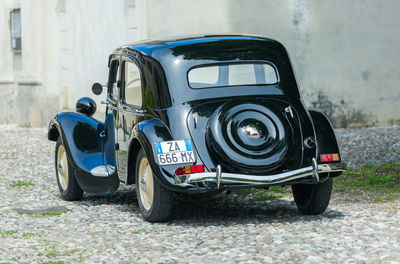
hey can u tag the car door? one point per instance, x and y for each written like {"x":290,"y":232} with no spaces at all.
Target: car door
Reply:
{"x":114,"y":94}
{"x":130,"y":105}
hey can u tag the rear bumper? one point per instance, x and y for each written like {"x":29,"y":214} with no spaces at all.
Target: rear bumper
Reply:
{"x":220,"y":177}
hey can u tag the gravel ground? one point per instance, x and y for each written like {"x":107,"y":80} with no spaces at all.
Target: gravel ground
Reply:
{"x":234,"y":229}
{"x":374,"y":145}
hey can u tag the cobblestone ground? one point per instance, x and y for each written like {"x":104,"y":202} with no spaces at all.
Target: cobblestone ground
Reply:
{"x":234,"y":229}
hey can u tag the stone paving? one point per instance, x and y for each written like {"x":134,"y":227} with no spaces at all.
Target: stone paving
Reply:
{"x":36,"y":226}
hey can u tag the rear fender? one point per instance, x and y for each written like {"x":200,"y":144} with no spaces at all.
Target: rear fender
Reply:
{"x":89,"y":144}
{"x":148,"y":133}
{"x":325,"y":136}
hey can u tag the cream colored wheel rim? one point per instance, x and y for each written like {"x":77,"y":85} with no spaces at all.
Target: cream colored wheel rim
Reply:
{"x":146,"y":184}
{"x":62,"y":167}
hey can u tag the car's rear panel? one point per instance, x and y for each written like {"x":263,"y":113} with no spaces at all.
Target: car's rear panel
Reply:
{"x":255,"y":135}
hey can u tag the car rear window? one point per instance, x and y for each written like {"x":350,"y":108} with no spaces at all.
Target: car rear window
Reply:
{"x":232,"y":75}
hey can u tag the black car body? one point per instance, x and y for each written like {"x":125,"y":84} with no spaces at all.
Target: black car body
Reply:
{"x":207,"y":114}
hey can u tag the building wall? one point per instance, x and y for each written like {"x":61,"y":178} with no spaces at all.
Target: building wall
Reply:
{"x":6,"y":66}
{"x":186,"y":17}
{"x":344,"y":52}
{"x":65,"y":49}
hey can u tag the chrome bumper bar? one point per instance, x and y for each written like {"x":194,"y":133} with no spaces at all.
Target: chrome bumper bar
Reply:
{"x":219,"y":177}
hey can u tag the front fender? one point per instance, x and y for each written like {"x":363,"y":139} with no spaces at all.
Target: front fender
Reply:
{"x":325,"y":136}
{"x":87,"y":143}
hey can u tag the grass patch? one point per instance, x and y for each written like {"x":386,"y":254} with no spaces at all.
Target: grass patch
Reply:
{"x":21,"y":183}
{"x":50,"y":213}
{"x":381,"y":183}
{"x":54,"y":251}
{"x":53,"y":213}
{"x":258,"y":194}
{"x":28,"y":235}
{"x":8,"y":233}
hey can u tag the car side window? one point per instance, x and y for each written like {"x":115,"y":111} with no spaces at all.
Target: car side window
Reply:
{"x":132,"y":84}
{"x":112,"y":79}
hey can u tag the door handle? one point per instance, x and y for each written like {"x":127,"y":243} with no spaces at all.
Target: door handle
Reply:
{"x":125,"y":109}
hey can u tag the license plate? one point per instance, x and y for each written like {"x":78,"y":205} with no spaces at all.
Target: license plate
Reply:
{"x":174,"y":152}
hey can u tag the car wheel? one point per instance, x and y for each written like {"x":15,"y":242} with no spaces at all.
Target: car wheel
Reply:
{"x":155,"y":202}
{"x":312,"y":199}
{"x":66,"y":181}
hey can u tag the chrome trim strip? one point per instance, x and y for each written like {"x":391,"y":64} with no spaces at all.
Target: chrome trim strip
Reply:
{"x":219,"y":177}
{"x":219,"y":173}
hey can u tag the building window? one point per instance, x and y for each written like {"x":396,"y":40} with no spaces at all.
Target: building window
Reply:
{"x":16,"y":30}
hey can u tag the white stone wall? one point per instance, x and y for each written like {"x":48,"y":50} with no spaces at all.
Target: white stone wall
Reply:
{"x":6,"y":66}
{"x":65,"y":49}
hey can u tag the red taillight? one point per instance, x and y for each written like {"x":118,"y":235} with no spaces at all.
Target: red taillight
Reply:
{"x":189,"y":170}
{"x":179,"y":171}
{"x":329,"y":157}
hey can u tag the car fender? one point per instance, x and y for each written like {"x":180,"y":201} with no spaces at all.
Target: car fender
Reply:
{"x":89,"y":144}
{"x":148,"y":133}
{"x":325,"y":138}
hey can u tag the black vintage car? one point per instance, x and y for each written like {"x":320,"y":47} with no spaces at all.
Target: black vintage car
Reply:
{"x":197,"y":115}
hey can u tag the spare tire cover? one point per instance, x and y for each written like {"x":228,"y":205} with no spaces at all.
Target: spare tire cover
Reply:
{"x":249,"y":136}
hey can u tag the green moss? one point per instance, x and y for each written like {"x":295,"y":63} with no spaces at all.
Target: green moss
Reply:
{"x":28,"y":235}
{"x":20,"y":183}
{"x":48,"y":213}
{"x":8,"y":233}
{"x":53,"y":213}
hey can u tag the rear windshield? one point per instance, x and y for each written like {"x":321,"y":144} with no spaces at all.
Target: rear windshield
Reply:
{"x":232,"y":75}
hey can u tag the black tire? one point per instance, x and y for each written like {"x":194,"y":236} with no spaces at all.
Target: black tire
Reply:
{"x":312,"y":199}
{"x":67,"y":184}
{"x":160,"y":206}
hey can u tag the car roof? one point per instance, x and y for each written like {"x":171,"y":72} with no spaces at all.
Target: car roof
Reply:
{"x":153,"y":48}
{"x":166,"y":63}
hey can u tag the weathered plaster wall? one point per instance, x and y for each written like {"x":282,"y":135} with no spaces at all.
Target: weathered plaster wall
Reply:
{"x":6,"y":66}
{"x":91,"y":38}
{"x":65,"y":49}
{"x":344,"y":53}
{"x":181,"y":17}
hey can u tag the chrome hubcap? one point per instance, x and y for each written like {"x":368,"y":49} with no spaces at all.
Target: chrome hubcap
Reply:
{"x":62,"y":167}
{"x":252,"y":131}
{"x":143,"y":184}
{"x":146,"y":184}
